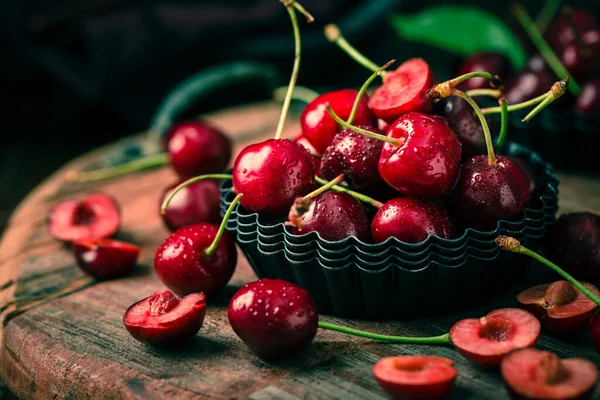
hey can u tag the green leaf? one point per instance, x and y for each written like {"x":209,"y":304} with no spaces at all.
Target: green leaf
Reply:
{"x":461,"y":30}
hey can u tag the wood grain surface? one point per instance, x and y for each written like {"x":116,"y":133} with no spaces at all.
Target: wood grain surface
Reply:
{"x":62,"y":335}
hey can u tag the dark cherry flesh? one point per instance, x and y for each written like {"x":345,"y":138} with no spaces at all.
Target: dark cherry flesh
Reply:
{"x":588,"y":101}
{"x":486,"y":340}
{"x":182,"y":265}
{"x":335,"y":216}
{"x":573,"y":242}
{"x":561,"y":308}
{"x":301,"y":139}
{"x":426,"y":162}
{"x":197,"y":202}
{"x":163,"y":319}
{"x":196,"y":149}
{"x":318,"y":126}
{"x":486,"y":194}
{"x":561,"y":32}
{"x":539,"y":374}
{"x":272,"y":174}
{"x":274,"y":318}
{"x":354,"y":155}
{"x":583,"y":59}
{"x":403,"y":91}
{"x":105,"y":258}
{"x":415,"y":377}
{"x":489,"y":61}
{"x":411,"y":221}
{"x":594,"y":330}
{"x":94,"y":216}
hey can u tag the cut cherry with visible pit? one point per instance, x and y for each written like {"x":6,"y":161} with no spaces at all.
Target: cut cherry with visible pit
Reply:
{"x":164,"y":319}
{"x":106,"y":258}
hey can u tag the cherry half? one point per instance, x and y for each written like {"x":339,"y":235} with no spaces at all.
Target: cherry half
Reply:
{"x":105,"y":258}
{"x":163,"y":319}
{"x":538,"y":374}
{"x":94,"y":216}
{"x":415,"y":377}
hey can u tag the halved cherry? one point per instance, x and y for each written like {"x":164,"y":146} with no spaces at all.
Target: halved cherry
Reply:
{"x":106,"y":258}
{"x":403,"y":91}
{"x":415,"y":377}
{"x":94,"y":216}
{"x":164,"y":319}
{"x":486,"y":340}
{"x":537,"y":374}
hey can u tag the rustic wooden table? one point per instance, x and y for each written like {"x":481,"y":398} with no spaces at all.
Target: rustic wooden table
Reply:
{"x":62,"y":334}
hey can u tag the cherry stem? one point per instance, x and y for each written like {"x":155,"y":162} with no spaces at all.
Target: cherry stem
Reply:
{"x":364,"y":88}
{"x":557,"y":90}
{"x":495,"y":80}
{"x":153,"y":161}
{"x":334,"y":35}
{"x":290,"y":6}
{"x":300,"y":93}
{"x":486,"y":129}
{"x":299,"y":8}
{"x":210,"y":250}
{"x":517,"y":106}
{"x":503,"y":122}
{"x":361,"y":131}
{"x":165,"y":204}
{"x":441,"y":339}
{"x":495,"y":93}
{"x":511,"y":244}
{"x":325,"y":187}
{"x":543,"y":47}
{"x":546,"y":15}
{"x":356,"y":195}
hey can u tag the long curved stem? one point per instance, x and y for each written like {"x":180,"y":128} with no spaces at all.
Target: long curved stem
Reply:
{"x":364,"y":88}
{"x":494,"y":80}
{"x":153,"y":161}
{"x":517,"y":106}
{"x":360,"y":130}
{"x":486,"y":129}
{"x":334,"y":35}
{"x":558,"y":89}
{"x":441,"y":339}
{"x":495,"y":93}
{"x":165,"y":204}
{"x":356,"y":195}
{"x":210,"y":250}
{"x":503,"y":123}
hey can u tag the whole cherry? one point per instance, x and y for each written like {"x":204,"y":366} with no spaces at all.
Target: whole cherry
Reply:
{"x":105,"y":258}
{"x":588,"y":100}
{"x":566,"y":28}
{"x":526,"y":85}
{"x":194,"y":203}
{"x":301,"y":139}
{"x":493,"y":62}
{"x":582,"y":57}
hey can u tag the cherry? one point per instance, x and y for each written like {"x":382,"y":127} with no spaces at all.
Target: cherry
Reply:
{"x":411,"y":221}
{"x":526,"y":85}
{"x":196,"y":202}
{"x":317,"y":125}
{"x":537,"y":64}
{"x":195,"y":149}
{"x":573,"y":242}
{"x":425,"y":158}
{"x":94,"y":216}
{"x":493,"y":62}
{"x":594,"y":330}
{"x":565,"y":29}
{"x":415,"y":377}
{"x":588,"y":101}
{"x":274,"y":318}
{"x":561,"y":308}
{"x":301,"y":139}
{"x":105,"y":258}
{"x":163,"y":319}
{"x":538,"y":374}
{"x":582,"y":59}
{"x":354,"y":155}
{"x":486,"y":340}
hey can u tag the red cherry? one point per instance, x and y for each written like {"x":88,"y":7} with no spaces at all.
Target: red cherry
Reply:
{"x":272,"y":174}
{"x":196,"y":202}
{"x":163,"y":319}
{"x":196,"y":149}
{"x":561,"y":33}
{"x":105,"y":258}
{"x":318,"y":126}
{"x":426,"y":161}
{"x":588,"y":101}
{"x":415,"y":377}
{"x":403,"y":91}
{"x":488,"y":61}
{"x":183,"y":266}
{"x":583,"y":59}
{"x":411,"y":221}
{"x":274,"y":318}
{"x":527,"y":85}
{"x":301,"y":139}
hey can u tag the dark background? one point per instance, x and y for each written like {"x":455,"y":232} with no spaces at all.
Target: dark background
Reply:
{"x":76,"y":74}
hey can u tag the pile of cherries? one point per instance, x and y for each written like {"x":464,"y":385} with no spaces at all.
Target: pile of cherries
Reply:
{"x":388,"y":140}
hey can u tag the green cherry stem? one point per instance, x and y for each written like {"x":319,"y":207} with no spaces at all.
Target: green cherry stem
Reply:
{"x":360,"y":130}
{"x":300,"y":93}
{"x":153,"y":161}
{"x":543,"y":47}
{"x":364,"y":88}
{"x":444,"y":89}
{"x":441,"y":339}
{"x":210,"y":250}
{"x":165,"y":204}
{"x":495,"y":93}
{"x":325,"y":187}
{"x":517,"y":106}
{"x":334,"y":35}
{"x":503,"y":122}
{"x":558,"y":89}
{"x":511,"y":244}
{"x":356,"y":195}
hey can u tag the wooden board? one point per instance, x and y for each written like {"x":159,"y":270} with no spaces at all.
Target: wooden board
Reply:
{"x":62,"y":334}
